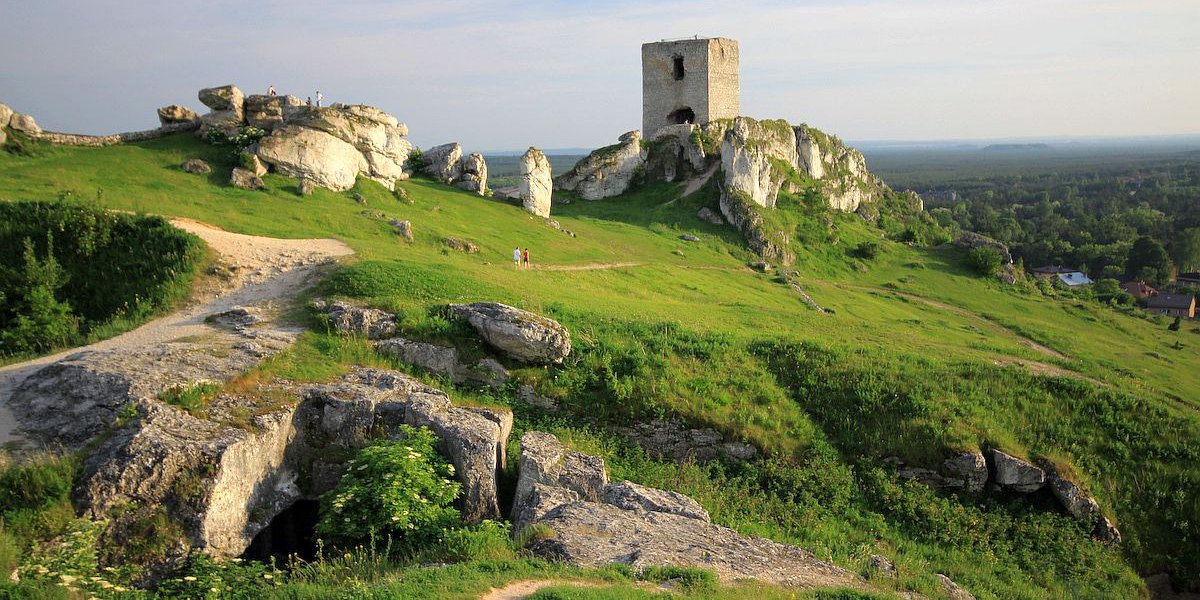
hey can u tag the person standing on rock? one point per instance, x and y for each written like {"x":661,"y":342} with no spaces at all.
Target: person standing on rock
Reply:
{"x":525,"y":258}
{"x":320,"y":98}
{"x":517,"y":257}
{"x":308,"y":101}
{"x":271,"y":90}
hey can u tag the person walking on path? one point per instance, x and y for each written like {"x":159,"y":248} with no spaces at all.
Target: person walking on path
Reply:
{"x":271,"y":90}
{"x":525,"y":258}
{"x":320,"y":98}
{"x":517,"y":257}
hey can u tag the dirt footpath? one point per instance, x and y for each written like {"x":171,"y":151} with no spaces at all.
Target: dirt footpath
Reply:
{"x":250,"y":271}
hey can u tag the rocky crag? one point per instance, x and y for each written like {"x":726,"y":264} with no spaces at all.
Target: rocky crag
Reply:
{"x":999,"y":471}
{"x":588,"y":521}
{"x":757,"y":159}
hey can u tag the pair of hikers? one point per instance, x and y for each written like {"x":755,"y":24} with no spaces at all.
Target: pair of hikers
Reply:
{"x":520,"y":258}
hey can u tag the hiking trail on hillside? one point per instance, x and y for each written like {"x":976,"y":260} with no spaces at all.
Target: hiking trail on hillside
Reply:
{"x":249,"y":270}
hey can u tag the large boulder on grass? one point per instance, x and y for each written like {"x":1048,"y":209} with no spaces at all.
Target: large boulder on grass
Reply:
{"x":245,"y":179}
{"x":6,"y":114}
{"x":606,"y":172}
{"x":1016,"y":475}
{"x":319,"y":157}
{"x":441,"y":162}
{"x":25,"y":124}
{"x":371,"y":323}
{"x":517,"y":333}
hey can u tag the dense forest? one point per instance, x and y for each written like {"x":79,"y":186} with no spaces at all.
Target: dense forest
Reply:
{"x":1112,"y":218}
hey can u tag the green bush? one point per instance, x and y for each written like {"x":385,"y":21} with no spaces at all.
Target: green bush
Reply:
{"x":203,"y":577}
{"x":70,"y":268}
{"x":985,"y":260}
{"x":866,"y":250}
{"x":401,"y":490}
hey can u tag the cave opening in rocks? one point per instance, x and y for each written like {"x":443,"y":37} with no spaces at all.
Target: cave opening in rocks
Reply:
{"x":682,"y":116}
{"x":291,"y":533}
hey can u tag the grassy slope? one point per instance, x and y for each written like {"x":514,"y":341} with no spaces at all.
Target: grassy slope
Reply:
{"x":706,"y":290}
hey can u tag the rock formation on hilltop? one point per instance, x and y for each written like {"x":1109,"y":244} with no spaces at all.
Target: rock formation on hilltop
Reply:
{"x":606,"y":172}
{"x":536,"y":185}
{"x":447,"y":164}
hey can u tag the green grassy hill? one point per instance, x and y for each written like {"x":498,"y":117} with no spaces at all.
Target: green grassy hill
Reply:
{"x":916,"y":358}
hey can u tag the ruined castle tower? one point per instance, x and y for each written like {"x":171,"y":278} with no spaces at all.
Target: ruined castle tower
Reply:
{"x":693,"y":80}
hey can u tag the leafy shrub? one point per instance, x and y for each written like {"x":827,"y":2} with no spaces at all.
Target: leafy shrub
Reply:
{"x":204,"y":577}
{"x":35,"y":484}
{"x":66,"y":270}
{"x":399,"y":490}
{"x":985,"y":260}
{"x":866,"y":250}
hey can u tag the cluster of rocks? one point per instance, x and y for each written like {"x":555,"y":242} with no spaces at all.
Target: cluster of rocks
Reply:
{"x":517,"y":334}
{"x":606,"y":172}
{"x":447,"y":164}
{"x":19,"y":122}
{"x":588,"y":522}
{"x":673,"y":440}
{"x":972,"y":472}
{"x":969,"y":240}
{"x":324,"y":146}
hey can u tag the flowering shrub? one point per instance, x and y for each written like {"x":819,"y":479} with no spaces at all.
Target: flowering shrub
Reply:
{"x":69,"y":562}
{"x":398,"y":490}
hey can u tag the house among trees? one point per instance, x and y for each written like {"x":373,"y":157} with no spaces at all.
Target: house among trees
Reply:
{"x":1173,"y":305}
{"x":1067,"y":276}
{"x":1188,"y":278}
{"x":1140,"y":290}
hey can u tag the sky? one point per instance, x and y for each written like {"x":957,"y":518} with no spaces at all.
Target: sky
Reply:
{"x":511,"y":74}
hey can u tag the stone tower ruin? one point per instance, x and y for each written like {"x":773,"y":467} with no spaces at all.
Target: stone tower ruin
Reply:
{"x":692,"y":80}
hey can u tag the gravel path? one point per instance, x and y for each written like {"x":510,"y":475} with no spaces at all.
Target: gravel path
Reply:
{"x":252,"y":271}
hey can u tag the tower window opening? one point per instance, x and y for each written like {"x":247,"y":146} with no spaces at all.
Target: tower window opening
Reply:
{"x":682,"y":116}
{"x":678,"y":67}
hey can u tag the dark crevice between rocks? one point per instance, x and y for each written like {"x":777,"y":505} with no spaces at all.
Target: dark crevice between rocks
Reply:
{"x":291,"y":533}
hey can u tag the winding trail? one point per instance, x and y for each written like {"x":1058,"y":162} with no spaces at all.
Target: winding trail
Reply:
{"x":251,"y":270}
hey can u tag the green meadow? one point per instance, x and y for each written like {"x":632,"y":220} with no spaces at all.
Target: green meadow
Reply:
{"x":915,"y":356}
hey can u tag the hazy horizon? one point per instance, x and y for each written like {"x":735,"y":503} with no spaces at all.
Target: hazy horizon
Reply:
{"x":567,"y":74}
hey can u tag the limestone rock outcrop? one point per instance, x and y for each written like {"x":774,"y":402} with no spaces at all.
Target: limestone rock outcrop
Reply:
{"x":313,"y":155}
{"x":445,"y":361}
{"x":441,"y":162}
{"x":196,"y":165}
{"x":174,"y":113}
{"x":1083,"y":507}
{"x":840,"y":170}
{"x":6,"y":114}
{"x":546,"y":462}
{"x":344,"y":317}
{"x":675,"y":441}
{"x":225,"y":97}
{"x":606,"y":172}
{"x":269,"y":112}
{"x":967,"y":471}
{"x":222,"y":483}
{"x":447,"y":164}
{"x":473,"y":174}
{"x":25,"y":124}
{"x":751,"y":155}
{"x":245,"y":179}
{"x":595,"y":523}
{"x":536,"y":187}
{"x":743,"y":213}
{"x":519,"y":334}
{"x":676,"y":151}
{"x":1014,"y":474}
